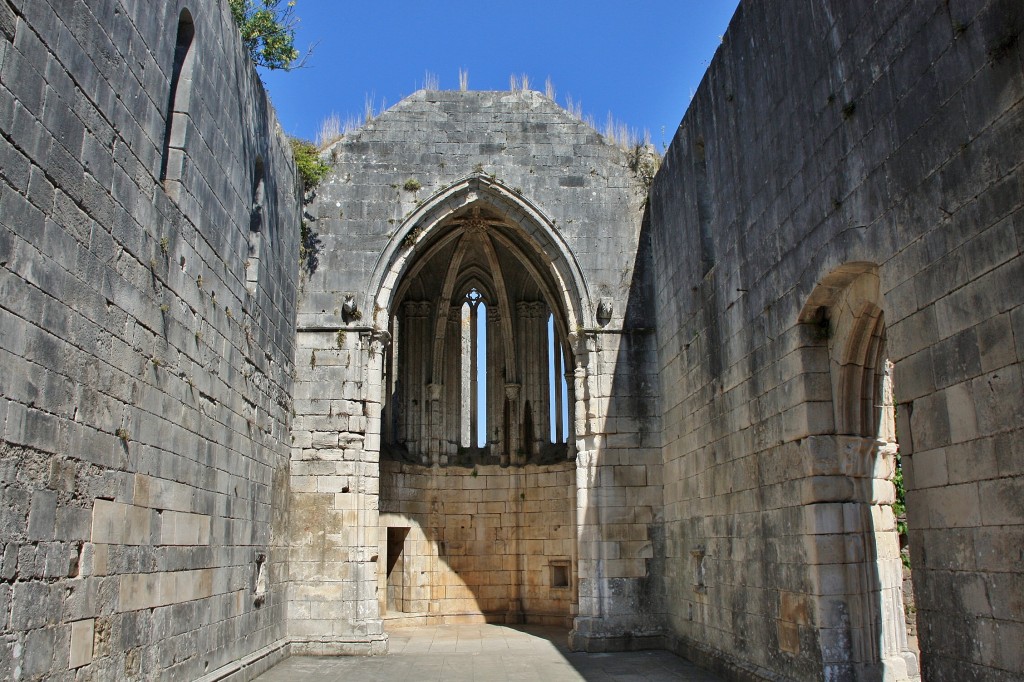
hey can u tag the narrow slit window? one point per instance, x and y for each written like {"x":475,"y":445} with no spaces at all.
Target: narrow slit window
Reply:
{"x":173,"y":160}
{"x":256,"y":220}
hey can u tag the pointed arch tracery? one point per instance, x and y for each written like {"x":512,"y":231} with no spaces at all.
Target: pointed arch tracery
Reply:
{"x":475,"y":246}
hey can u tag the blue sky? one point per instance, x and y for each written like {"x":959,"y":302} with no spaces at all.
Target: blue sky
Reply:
{"x":642,"y":61}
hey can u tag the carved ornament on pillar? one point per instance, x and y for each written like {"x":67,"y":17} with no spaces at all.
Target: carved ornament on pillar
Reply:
{"x":582,"y":343}
{"x":512,"y":392}
{"x":528,"y":309}
{"x":350,"y":309}
{"x":417,"y":308}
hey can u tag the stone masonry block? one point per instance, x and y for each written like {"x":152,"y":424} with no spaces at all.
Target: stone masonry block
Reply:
{"x":82,"y":633}
{"x":43,"y":515}
{"x":108,"y":522}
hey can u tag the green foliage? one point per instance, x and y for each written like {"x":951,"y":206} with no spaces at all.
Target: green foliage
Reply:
{"x":311,"y":167}
{"x":310,"y":245}
{"x":899,"y":508}
{"x":411,"y":185}
{"x":268,"y":31}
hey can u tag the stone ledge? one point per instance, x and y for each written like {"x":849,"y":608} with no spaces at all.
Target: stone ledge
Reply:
{"x":375,"y":645}
{"x":255,"y":664}
{"x":251,"y":666}
{"x":593,"y":644}
{"x":606,"y":638}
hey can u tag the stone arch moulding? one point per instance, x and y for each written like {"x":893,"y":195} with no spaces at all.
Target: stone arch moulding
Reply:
{"x":859,"y":605}
{"x":178,"y":117}
{"x":537,"y":229}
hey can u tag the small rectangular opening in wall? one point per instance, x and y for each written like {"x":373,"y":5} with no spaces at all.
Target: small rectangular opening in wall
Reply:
{"x":560,"y":574}
{"x":396,"y":545}
{"x":395,"y":569}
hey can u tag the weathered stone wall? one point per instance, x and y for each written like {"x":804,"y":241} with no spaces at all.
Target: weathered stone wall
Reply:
{"x":480,"y":540}
{"x":575,"y":198}
{"x":144,"y":391}
{"x":831,"y":142}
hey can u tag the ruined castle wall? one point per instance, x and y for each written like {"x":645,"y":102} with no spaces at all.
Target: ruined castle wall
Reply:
{"x":827,"y":134}
{"x":584,"y":187}
{"x":145,"y":389}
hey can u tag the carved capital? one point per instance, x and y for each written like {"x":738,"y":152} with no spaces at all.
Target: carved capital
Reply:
{"x":582,"y":343}
{"x":416,"y":308}
{"x":530,"y":309}
{"x":434,"y":390}
{"x":512,"y":392}
{"x":377,"y":340}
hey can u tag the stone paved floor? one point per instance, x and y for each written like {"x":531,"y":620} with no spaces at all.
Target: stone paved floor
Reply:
{"x":486,"y":653}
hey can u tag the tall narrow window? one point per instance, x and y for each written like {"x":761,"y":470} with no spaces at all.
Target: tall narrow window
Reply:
{"x":474,"y":370}
{"x":558,"y":389}
{"x":256,"y":220}
{"x":173,"y":159}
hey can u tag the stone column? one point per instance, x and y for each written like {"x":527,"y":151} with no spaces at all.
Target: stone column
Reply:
{"x":858,"y":595}
{"x":512,"y":396}
{"x":416,"y":405}
{"x":453,"y":383}
{"x":367,"y":628}
{"x":495,"y":372}
{"x":435,"y":450}
{"x":570,"y":442}
{"x":531,"y":339}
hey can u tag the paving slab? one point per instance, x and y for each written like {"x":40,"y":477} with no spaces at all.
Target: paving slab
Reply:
{"x":486,"y":653}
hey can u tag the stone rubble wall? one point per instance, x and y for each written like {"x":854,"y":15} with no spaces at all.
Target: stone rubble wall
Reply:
{"x":145,"y":393}
{"x":827,"y":134}
{"x":480,"y":540}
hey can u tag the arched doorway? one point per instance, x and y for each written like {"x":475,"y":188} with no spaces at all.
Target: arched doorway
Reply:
{"x":477,"y":490}
{"x":861,"y":613}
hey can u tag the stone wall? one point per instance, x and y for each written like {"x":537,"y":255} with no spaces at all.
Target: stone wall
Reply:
{"x":145,"y":390}
{"x":491,"y":543}
{"x":868,"y":153}
{"x":574,"y":204}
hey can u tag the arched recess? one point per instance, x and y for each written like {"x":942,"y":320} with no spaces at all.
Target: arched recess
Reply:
{"x":477,"y":237}
{"x":860,"y":617}
{"x":476,"y":243}
{"x":172,"y":162}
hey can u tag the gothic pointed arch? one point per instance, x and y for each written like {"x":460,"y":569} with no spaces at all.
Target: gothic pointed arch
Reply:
{"x":845,"y":316}
{"x":466,"y":290}
{"x":535,"y":235}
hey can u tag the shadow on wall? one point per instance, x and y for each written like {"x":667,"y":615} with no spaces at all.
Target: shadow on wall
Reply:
{"x":622,"y":550}
{"x":490,"y":544}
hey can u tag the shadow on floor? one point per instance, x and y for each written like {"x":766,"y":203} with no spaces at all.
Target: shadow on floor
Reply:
{"x":482,"y":653}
